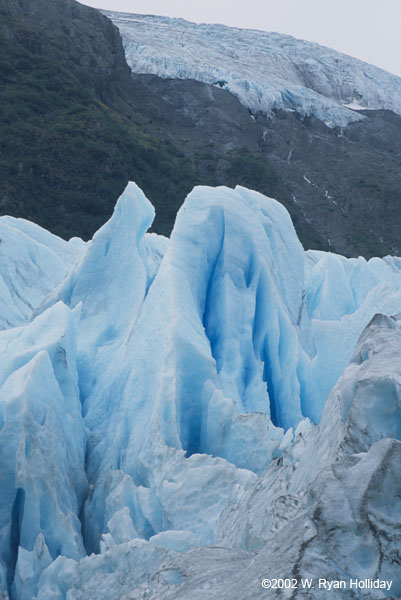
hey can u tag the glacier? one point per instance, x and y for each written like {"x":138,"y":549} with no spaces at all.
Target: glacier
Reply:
{"x":279,"y":71}
{"x":184,"y":417}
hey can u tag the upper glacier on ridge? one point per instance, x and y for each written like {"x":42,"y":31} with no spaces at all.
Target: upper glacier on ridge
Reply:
{"x":264,"y":70}
{"x":219,"y":399}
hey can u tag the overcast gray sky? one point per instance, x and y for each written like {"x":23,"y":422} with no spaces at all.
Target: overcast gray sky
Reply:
{"x":367,"y":29}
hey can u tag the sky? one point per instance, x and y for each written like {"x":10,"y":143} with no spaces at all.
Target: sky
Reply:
{"x":366,"y":29}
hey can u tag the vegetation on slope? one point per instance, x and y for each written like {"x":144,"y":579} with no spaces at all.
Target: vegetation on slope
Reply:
{"x":66,"y":155}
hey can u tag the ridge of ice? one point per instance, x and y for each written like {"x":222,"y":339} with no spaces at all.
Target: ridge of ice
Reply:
{"x":264,"y":70}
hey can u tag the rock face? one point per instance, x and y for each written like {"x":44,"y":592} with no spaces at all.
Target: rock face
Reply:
{"x":340,"y":185}
{"x":188,"y":417}
{"x":74,"y":32}
{"x":334,"y":175}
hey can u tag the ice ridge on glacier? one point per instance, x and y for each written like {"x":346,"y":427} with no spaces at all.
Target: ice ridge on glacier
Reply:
{"x":264,"y":70}
{"x":222,"y":397}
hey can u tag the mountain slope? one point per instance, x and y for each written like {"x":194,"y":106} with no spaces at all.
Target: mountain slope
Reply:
{"x":75,"y":125}
{"x":68,"y":140}
{"x":340,"y":185}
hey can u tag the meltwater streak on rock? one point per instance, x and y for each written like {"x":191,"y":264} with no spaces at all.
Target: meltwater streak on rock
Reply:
{"x":264,"y":70}
{"x":193,"y":355}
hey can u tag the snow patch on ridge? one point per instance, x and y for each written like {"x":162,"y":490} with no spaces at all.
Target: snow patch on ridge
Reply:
{"x":264,"y":70}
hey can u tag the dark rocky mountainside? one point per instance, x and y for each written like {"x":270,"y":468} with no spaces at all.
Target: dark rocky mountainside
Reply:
{"x":342,"y":186}
{"x":68,"y":141}
{"x":346,"y":182}
{"x":75,"y":126}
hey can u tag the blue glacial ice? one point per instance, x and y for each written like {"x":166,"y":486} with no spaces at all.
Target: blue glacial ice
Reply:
{"x":159,"y":397}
